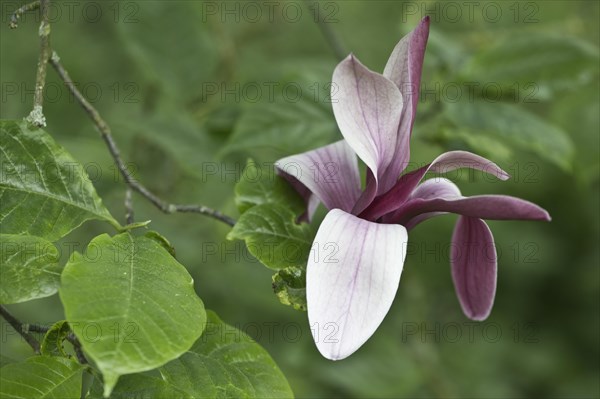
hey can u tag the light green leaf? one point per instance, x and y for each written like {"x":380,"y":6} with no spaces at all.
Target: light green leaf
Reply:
{"x":131,"y":304}
{"x":296,"y":119}
{"x":29,"y":268}
{"x":549,"y":62}
{"x":290,"y":287}
{"x":273,"y":237}
{"x":41,"y":377}
{"x":180,"y":56}
{"x":44,"y":191}
{"x":261,"y":185}
{"x":52,"y":344}
{"x":514,"y":126}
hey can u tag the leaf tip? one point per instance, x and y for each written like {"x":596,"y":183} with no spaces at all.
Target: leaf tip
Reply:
{"x":110,"y":380}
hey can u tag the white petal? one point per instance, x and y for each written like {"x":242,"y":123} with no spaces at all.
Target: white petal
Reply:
{"x":352,"y":278}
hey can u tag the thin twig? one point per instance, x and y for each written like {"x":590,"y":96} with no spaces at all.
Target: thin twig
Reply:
{"x":329,"y":34}
{"x":131,"y":181}
{"x":77,"y":348}
{"x":21,"y":329}
{"x":14,"y":18}
{"x":37,"y":115}
{"x":128,"y":207}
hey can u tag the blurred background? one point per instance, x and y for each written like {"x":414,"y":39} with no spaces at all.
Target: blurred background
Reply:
{"x":192,"y":89}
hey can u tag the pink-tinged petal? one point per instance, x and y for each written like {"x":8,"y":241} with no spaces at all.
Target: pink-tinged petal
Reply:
{"x":367,"y":108}
{"x":446,"y":162}
{"x":432,"y":188}
{"x":330,"y":173}
{"x":352,"y":278}
{"x":495,"y":207}
{"x":404,"y":69}
{"x":474,"y":267}
{"x":406,"y":63}
{"x":438,"y":187}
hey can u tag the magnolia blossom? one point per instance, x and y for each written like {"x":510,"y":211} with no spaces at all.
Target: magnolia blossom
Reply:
{"x":349,"y":292}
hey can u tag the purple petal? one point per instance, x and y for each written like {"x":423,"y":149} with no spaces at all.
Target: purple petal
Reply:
{"x":352,"y":278}
{"x":367,"y":108}
{"x":474,"y":267}
{"x":330,"y":173}
{"x":368,"y":194}
{"x":404,"y":69}
{"x":446,"y":162}
{"x":495,"y":207}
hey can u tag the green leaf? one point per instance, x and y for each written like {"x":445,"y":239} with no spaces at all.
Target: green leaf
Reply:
{"x":549,"y":62}
{"x":29,"y":268}
{"x":171,"y":134}
{"x":41,"y":377}
{"x":273,"y":237}
{"x":483,"y":144}
{"x":261,"y":185}
{"x":514,"y":126}
{"x":162,"y":240}
{"x":136,"y":386}
{"x":44,"y":191}
{"x":4,"y":360}
{"x":290,"y":287}
{"x":223,"y":363}
{"x":52,"y":344}
{"x":131,"y":304}
{"x":297,"y":118}
{"x":179,"y":56}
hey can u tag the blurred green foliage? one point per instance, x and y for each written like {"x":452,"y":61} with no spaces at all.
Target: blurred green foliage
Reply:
{"x":185,"y":87}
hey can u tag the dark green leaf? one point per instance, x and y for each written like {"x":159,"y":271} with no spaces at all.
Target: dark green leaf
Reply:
{"x":483,"y":144}
{"x":549,"y":62}
{"x":171,"y":133}
{"x":273,"y":237}
{"x":227,"y":363}
{"x":180,"y":56}
{"x":261,"y":185}
{"x":29,"y":268}
{"x":296,"y":119}
{"x":41,"y":377}
{"x":4,"y":360}
{"x":45,"y":192}
{"x":131,"y":304}
{"x":223,"y":363}
{"x":136,"y":386}
{"x":52,"y":344}
{"x":514,"y":126}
